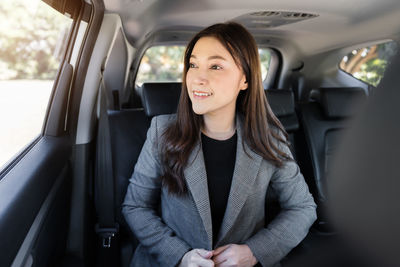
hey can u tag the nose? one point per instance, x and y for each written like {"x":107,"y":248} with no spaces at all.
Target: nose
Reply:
{"x":200,"y":77}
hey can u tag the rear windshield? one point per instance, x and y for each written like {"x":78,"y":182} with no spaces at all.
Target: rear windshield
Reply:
{"x":165,"y":64}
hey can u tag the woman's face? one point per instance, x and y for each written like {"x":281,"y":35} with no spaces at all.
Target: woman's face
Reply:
{"x":213,"y":79}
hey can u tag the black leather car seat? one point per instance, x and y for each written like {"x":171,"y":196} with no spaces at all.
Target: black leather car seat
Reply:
{"x":128,"y":128}
{"x":324,"y":118}
{"x":282,"y":104}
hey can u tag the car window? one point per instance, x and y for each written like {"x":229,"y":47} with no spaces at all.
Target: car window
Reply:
{"x":32,"y":41}
{"x":368,"y":64}
{"x":165,"y":64}
{"x":161,"y":64}
{"x":265,"y":59}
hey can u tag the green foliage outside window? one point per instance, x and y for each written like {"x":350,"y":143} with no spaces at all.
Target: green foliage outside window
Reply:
{"x":369,"y":63}
{"x":161,"y":64}
{"x":31,"y":38}
{"x":372,"y":71}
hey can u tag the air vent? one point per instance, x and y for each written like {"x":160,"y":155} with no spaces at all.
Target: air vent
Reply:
{"x":298,"y":15}
{"x":266,"y":14}
{"x":270,"y":19}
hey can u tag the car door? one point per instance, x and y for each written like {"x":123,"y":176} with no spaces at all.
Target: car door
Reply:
{"x":40,"y":70}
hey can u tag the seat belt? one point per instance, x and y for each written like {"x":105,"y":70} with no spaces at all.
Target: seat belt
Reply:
{"x":106,"y":227}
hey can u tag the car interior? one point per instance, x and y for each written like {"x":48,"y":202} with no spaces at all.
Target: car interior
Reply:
{"x":60,"y":198}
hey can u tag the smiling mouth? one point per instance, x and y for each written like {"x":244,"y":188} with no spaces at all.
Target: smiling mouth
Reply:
{"x":201,"y":94}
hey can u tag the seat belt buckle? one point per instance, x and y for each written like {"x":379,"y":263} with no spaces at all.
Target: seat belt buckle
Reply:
{"x":107,"y":241}
{"x":107,"y":233}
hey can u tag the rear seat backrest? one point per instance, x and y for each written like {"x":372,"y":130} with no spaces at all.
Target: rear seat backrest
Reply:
{"x":323,"y":119}
{"x":282,"y":104}
{"x":128,"y":128}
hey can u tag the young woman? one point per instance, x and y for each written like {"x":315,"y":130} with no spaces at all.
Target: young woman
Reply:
{"x":197,"y":194}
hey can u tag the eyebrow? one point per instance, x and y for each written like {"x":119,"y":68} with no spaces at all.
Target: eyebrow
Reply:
{"x":211,"y":57}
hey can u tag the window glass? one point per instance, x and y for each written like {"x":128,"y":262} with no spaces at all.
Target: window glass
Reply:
{"x":32,"y":42}
{"x":161,"y":64}
{"x":165,"y":64}
{"x":265,"y":59}
{"x":369,"y":63}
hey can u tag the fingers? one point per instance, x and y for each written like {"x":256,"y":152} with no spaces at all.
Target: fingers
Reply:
{"x":203,"y":258}
{"x":219,"y":259}
{"x":204,"y":253}
{"x":198,"y":258}
{"x":235,"y":255}
{"x":201,"y":262}
{"x":219,"y":255}
{"x":220,"y":249}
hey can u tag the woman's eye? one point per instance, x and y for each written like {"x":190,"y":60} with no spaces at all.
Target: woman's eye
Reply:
{"x":216,"y":67}
{"x":192,"y":65}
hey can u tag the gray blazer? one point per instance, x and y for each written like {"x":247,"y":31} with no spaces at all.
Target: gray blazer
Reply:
{"x":185,"y":223}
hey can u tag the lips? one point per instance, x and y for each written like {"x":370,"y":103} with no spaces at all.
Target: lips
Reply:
{"x":201,"y":94}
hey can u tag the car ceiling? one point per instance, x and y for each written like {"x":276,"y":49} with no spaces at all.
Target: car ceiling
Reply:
{"x":338,"y":23}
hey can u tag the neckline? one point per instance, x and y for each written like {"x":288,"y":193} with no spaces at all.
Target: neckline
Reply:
{"x":219,"y":141}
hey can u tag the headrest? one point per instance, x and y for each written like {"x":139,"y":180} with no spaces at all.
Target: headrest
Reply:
{"x":281,"y":101}
{"x":339,"y":102}
{"x":160,"y":98}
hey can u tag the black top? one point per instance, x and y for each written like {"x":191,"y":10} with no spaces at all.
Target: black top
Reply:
{"x":219,"y":158}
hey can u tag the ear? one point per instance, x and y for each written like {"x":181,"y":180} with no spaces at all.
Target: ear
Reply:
{"x":243,"y":83}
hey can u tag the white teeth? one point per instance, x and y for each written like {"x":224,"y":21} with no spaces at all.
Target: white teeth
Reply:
{"x":201,"y":94}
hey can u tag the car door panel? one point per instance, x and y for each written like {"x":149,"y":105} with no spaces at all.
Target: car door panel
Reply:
{"x":24,"y":189}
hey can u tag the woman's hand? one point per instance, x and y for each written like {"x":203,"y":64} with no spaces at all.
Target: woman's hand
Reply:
{"x":234,"y":255}
{"x":197,"y":258}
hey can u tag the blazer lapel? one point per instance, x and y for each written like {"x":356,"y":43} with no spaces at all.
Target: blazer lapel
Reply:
{"x":196,"y":178}
{"x":247,"y":165}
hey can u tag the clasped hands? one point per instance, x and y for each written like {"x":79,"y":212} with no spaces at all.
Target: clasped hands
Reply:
{"x":229,"y":255}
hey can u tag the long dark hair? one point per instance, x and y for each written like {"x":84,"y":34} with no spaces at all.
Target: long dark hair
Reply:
{"x":182,"y":135}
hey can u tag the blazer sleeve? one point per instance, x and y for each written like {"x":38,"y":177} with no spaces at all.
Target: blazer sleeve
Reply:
{"x":291,"y":225}
{"x":142,"y":203}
